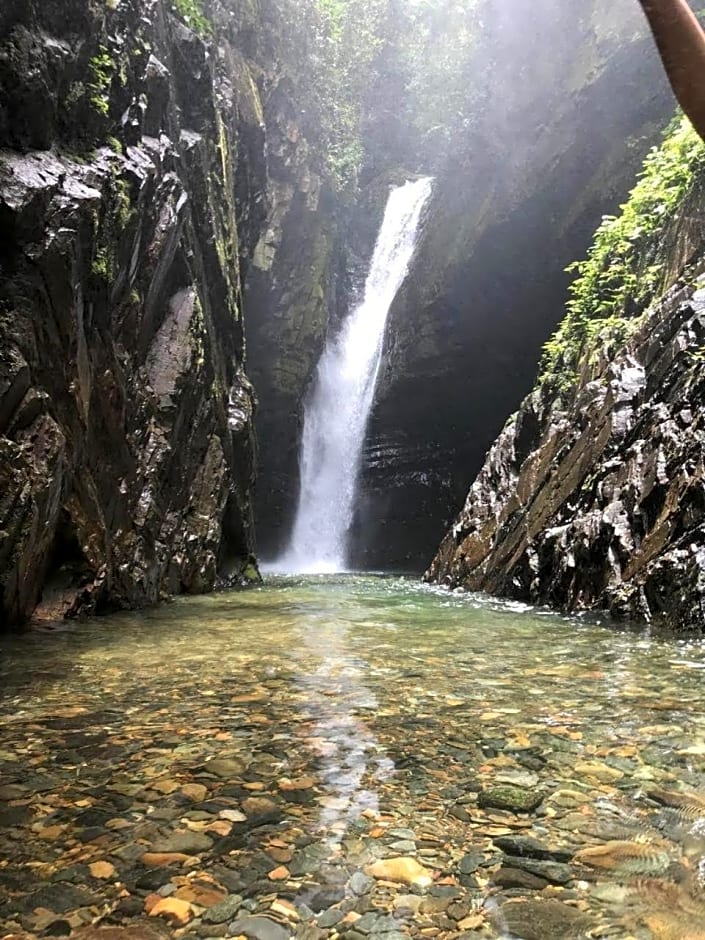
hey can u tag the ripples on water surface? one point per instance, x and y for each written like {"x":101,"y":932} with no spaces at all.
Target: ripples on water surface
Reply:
{"x":249,"y":763}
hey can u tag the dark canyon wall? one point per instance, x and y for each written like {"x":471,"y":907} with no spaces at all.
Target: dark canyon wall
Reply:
{"x":290,"y":297}
{"x":132,"y":195}
{"x":575,"y":98}
{"x":593,"y":495}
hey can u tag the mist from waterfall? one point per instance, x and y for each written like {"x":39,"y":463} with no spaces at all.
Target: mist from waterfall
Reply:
{"x":338,"y":409}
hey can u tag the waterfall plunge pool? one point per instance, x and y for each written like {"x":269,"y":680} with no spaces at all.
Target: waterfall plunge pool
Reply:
{"x":352,"y":756}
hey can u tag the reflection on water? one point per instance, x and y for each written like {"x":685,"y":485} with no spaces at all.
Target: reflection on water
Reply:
{"x":351,"y":760}
{"x":354,"y":756}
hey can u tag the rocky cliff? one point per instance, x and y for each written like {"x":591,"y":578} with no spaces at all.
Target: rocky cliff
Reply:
{"x":290,"y":296}
{"x":593,"y":495}
{"x":556,"y":144}
{"x":132,"y":196}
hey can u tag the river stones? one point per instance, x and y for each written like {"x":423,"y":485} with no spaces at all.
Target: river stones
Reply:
{"x":174,"y":910}
{"x":183,"y":843}
{"x":196,"y":792}
{"x":59,"y":898}
{"x":374,"y":788}
{"x":226,"y":768}
{"x":509,"y":878}
{"x":531,"y":848}
{"x":166,"y":859}
{"x":136,"y":931}
{"x":224,"y":911}
{"x":553,"y":872}
{"x":541,"y":919}
{"x":598,"y":771}
{"x":404,"y":870}
{"x":512,"y":798}
{"x":470,"y":862}
{"x":259,"y":928}
{"x":361,"y":884}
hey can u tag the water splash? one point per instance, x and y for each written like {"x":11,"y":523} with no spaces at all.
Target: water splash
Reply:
{"x":337,"y":412}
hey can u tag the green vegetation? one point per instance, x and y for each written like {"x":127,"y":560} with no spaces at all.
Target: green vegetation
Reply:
{"x":191,"y":11}
{"x":111,"y":223}
{"x":382,"y":81}
{"x":328,"y":48}
{"x":624,"y":271}
{"x":102,"y":69}
{"x":431,"y":78}
{"x":103,"y":266}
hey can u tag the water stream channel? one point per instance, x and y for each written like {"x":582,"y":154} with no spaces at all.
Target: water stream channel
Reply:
{"x":352,"y":756}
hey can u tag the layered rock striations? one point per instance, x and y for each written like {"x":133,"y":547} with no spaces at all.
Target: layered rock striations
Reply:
{"x":132,"y":195}
{"x":558,"y":138}
{"x":593,"y":495}
{"x":290,"y":294}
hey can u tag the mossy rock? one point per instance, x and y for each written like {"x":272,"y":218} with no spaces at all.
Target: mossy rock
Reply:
{"x":513,"y":799}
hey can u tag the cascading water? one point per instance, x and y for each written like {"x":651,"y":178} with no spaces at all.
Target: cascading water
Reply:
{"x":337,"y":412}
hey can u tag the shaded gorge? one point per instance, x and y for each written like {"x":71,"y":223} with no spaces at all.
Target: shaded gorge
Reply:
{"x":352,"y":756}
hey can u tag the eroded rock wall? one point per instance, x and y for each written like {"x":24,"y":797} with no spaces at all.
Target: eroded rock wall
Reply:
{"x":132,"y":177}
{"x":290,"y":293}
{"x":595,"y":498}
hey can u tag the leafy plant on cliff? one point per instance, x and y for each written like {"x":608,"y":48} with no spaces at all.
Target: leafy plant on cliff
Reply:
{"x":623,"y":272}
{"x":101,"y":68}
{"x":191,"y":11}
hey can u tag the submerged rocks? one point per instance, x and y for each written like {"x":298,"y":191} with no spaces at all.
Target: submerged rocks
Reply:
{"x":98,"y":792}
{"x":538,"y":920}
{"x":259,"y":928}
{"x":405,"y":870}
{"x":513,"y":799}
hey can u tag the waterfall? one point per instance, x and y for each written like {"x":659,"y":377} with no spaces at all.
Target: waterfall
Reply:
{"x":338,"y":409}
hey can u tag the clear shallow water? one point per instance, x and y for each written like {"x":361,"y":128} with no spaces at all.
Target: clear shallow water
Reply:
{"x":281,"y":741}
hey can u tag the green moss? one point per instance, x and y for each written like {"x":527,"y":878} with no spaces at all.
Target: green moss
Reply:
{"x":191,"y":11}
{"x":623,"y":272}
{"x":103,"y":267}
{"x":101,"y":68}
{"x":123,"y":203}
{"x":251,"y":574}
{"x":111,"y":222}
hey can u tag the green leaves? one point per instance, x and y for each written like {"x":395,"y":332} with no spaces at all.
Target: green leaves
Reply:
{"x":191,"y":11}
{"x":624,"y":270}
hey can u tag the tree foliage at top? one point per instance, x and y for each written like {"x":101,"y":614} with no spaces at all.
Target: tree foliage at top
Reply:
{"x":425,"y":84}
{"x":389,"y":77}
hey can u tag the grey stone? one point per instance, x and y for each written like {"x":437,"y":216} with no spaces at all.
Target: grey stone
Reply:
{"x":470,"y":862}
{"x":361,"y":884}
{"x":187,"y":843}
{"x":224,"y":911}
{"x":259,"y":928}
{"x":541,"y":920}
{"x":531,"y":848}
{"x":552,"y":871}
{"x":330,"y":917}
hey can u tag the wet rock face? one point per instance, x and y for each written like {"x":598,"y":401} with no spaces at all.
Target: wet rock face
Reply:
{"x":519,"y":201}
{"x":597,"y":502}
{"x":125,"y":414}
{"x":290,"y":296}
